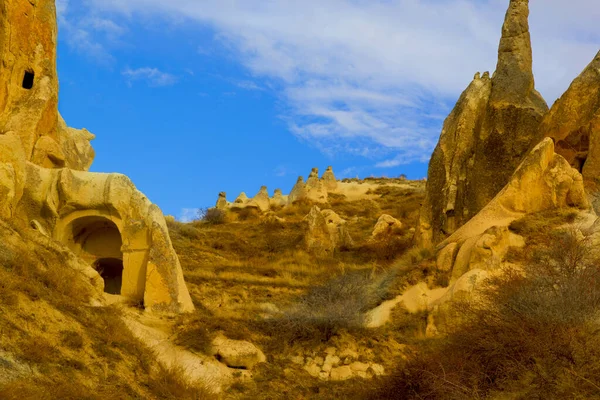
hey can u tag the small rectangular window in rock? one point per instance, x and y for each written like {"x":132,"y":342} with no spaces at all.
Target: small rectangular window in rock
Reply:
{"x":28,"y":80}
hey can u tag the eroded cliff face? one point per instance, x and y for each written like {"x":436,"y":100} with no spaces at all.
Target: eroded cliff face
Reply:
{"x":574,"y":123}
{"x":29,"y":87}
{"x":492,"y":127}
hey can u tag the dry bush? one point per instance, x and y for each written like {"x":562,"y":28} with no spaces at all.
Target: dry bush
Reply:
{"x":535,"y":226}
{"x":72,"y":339}
{"x":248,"y":214}
{"x":171,"y":384}
{"x":339,"y":304}
{"x":213,"y":216}
{"x":532,"y":332}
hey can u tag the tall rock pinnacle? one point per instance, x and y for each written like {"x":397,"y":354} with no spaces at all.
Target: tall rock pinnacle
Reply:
{"x":514,"y":72}
{"x":492,"y":127}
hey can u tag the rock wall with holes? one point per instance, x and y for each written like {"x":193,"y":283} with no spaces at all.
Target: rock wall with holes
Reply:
{"x":102,"y":218}
{"x":29,"y":88}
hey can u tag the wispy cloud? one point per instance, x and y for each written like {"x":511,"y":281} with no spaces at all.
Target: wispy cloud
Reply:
{"x":189,"y":214}
{"x":248,"y":85}
{"x":88,"y":33}
{"x":152,"y":76}
{"x":378,"y":74}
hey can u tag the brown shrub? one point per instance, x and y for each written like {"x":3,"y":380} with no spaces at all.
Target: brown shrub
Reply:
{"x":72,"y":339}
{"x":171,"y":384}
{"x":213,"y":216}
{"x":326,"y":310}
{"x":533,"y":332}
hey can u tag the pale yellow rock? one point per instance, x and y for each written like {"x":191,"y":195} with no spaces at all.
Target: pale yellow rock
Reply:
{"x":29,"y":86}
{"x":298,"y":191}
{"x":328,"y":180}
{"x":103,"y":217}
{"x":12,"y":174}
{"x":262,"y":199}
{"x":222,"y":201}
{"x":543,"y":181}
{"x":241,"y":202}
{"x":76,"y":146}
{"x":446,"y":257}
{"x":313,"y":369}
{"x":318,"y":238}
{"x":315,"y":190}
{"x":341,"y":373}
{"x":359,"y":366}
{"x":278,"y":200}
{"x":377,"y":369}
{"x":385,"y":225}
{"x":237,"y":353}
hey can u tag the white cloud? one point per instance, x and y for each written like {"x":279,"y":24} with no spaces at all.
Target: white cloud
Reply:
{"x":189,"y":214}
{"x":153,"y":76}
{"x":378,"y":74}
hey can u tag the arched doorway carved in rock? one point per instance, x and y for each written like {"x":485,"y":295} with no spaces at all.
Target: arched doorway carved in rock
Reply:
{"x":98,"y":241}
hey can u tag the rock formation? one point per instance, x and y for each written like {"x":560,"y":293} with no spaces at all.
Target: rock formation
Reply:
{"x":543,"y":181}
{"x":328,"y":179}
{"x":241,"y":202}
{"x":29,"y":87}
{"x":298,"y":191}
{"x":278,"y":200}
{"x":574,"y":122}
{"x":492,"y":127}
{"x":315,"y":190}
{"x":385,"y":224}
{"x":101,"y":218}
{"x":326,"y":231}
{"x":222,"y":201}
{"x":262,"y":199}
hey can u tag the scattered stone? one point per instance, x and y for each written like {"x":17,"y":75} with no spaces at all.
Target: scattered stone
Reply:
{"x":237,"y":353}
{"x":359,"y":366}
{"x":313,"y":369}
{"x":341,"y":373}
{"x":377,"y":369}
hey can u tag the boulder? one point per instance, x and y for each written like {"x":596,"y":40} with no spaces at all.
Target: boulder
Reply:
{"x":385,"y":225}
{"x":446,"y":256}
{"x":341,"y":373}
{"x":492,"y":127}
{"x":237,"y":353}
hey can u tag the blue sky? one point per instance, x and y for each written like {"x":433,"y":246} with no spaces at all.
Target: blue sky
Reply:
{"x":190,"y":98}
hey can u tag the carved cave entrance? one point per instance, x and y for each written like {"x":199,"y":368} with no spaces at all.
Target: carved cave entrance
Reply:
{"x":98,"y":241}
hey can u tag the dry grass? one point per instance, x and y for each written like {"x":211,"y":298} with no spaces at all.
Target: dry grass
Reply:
{"x":170,"y":384}
{"x":534,"y":333}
